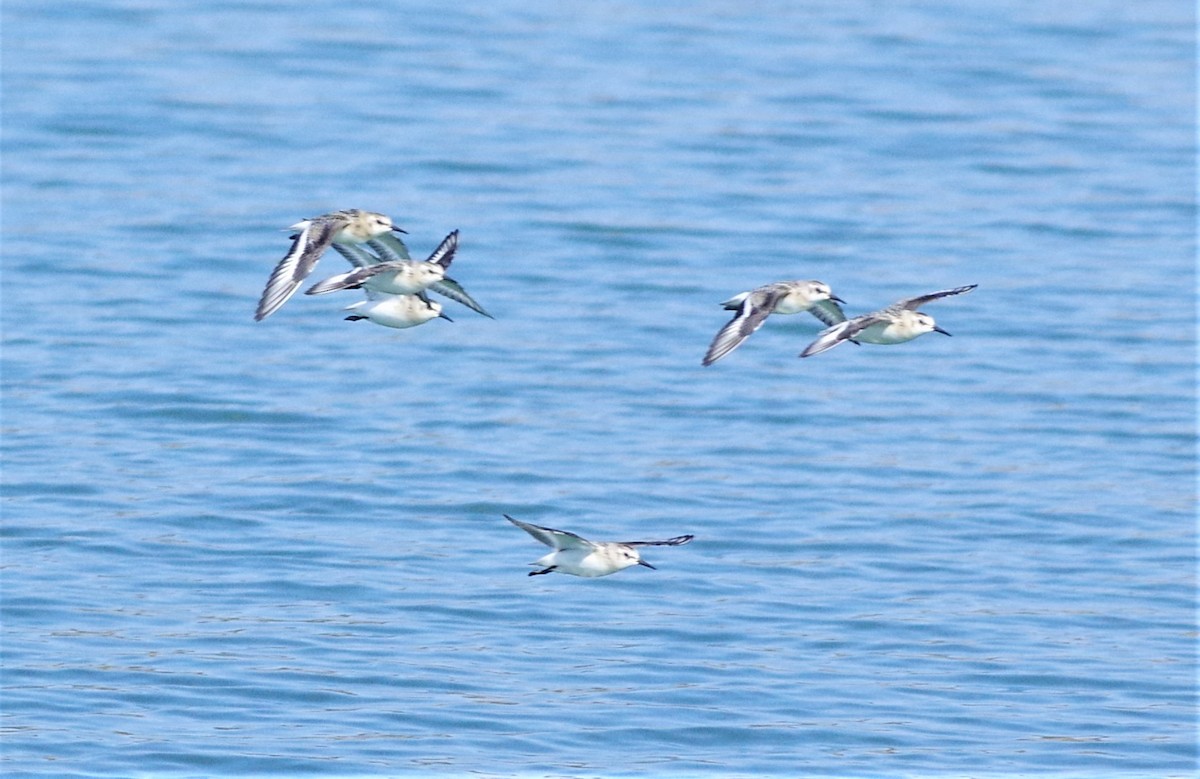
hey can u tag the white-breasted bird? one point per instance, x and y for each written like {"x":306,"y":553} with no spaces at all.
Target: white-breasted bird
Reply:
{"x":781,"y":297}
{"x":389,"y":272}
{"x":896,"y":324}
{"x":397,"y":277}
{"x":348,"y":227}
{"x":577,"y":556}
{"x":391,"y":250}
{"x":400,"y":311}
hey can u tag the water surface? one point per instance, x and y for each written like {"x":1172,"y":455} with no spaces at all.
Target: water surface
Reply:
{"x":239,"y":548}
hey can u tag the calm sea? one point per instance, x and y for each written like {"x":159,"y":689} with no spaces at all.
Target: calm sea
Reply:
{"x":235,"y":548}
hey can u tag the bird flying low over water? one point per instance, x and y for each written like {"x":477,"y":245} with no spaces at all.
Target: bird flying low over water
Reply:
{"x":577,"y":556}
{"x":391,"y":272}
{"x":317,"y":234}
{"x":782,"y":297}
{"x":896,"y":324}
{"x":400,"y":311}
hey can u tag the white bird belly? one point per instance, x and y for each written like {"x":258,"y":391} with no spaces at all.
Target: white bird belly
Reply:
{"x":395,"y":283}
{"x":891,"y":333}
{"x":398,"y":312}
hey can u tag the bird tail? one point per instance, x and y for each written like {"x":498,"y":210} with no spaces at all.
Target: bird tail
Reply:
{"x":333,"y":284}
{"x":827,"y":339}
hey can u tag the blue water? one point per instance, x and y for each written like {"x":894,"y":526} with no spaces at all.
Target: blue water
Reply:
{"x":235,"y":548}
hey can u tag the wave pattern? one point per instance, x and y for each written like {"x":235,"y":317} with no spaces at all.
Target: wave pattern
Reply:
{"x":233,"y":548}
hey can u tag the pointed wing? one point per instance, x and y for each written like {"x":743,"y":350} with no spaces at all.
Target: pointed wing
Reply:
{"x":829,"y":312}
{"x":912,"y":304}
{"x":351,"y":279}
{"x":334,"y":283}
{"x":453,"y":290}
{"x":358,"y":256}
{"x":676,"y":541}
{"x":843,"y":331}
{"x":754,"y":309}
{"x":556,"y":539}
{"x":444,"y":254}
{"x":315,"y":237}
{"x":390,"y":247}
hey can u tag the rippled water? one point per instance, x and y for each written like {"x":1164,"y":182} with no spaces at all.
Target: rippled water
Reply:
{"x":233,"y":548}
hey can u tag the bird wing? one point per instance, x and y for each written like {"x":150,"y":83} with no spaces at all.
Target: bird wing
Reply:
{"x":753,"y":309}
{"x":444,"y":254}
{"x":390,"y":247}
{"x":307,"y":247}
{"x":912,"y":304}
{"x":358,"y":256}
{"x":453,"y":290}
{"x":556,"y":539}
{"x":829,"y":312}
{"x":334,"y":283}
{"x":351,"y":279}
{"x":676,"y":541}
{"x":842,"y":331}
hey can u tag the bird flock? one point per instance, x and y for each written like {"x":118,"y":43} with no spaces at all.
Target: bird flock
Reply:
{"x":396,"y":291}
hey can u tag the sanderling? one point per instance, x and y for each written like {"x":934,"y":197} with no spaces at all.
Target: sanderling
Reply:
{"x":398,"y":311}
{"x":579,"y":557}
{"x":391,"y":249}
{"x":782,"y":297}
{"x":399,"y":276}
{"x":895,"y":324}
{"x":341,"y":227}
{"x":396,"y":277}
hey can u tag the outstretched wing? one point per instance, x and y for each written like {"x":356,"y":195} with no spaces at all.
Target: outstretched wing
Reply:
{"x":390,"y":247}
{"x":334,"y":283}
{"x":828,"y":311}
{"x":556,"y":539}
{"x":676,"y":541}
{"x":314,"y":238}
{"x":358,"y":256}
{"x":753,"y":310}
{"x":843,"y":331}
{"x":453,"y":290}
{"x":912,"y":304}
{"x":351,"y":279}
{"x":444,"y":254}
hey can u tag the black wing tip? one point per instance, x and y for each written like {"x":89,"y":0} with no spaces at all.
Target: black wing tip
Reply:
{"x":267,"y":307}
{"x":711,"y":357}
{"x":676,"y":541}
{"x":715,"y":354}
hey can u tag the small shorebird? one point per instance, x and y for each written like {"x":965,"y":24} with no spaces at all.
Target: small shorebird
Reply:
{"x":782,"y":297}
{"x":579,"y":557}
{"x":399,"y":275}
{"x":316,"y":235}
{"x":398,"y":311}
{"x":896,"y":324}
